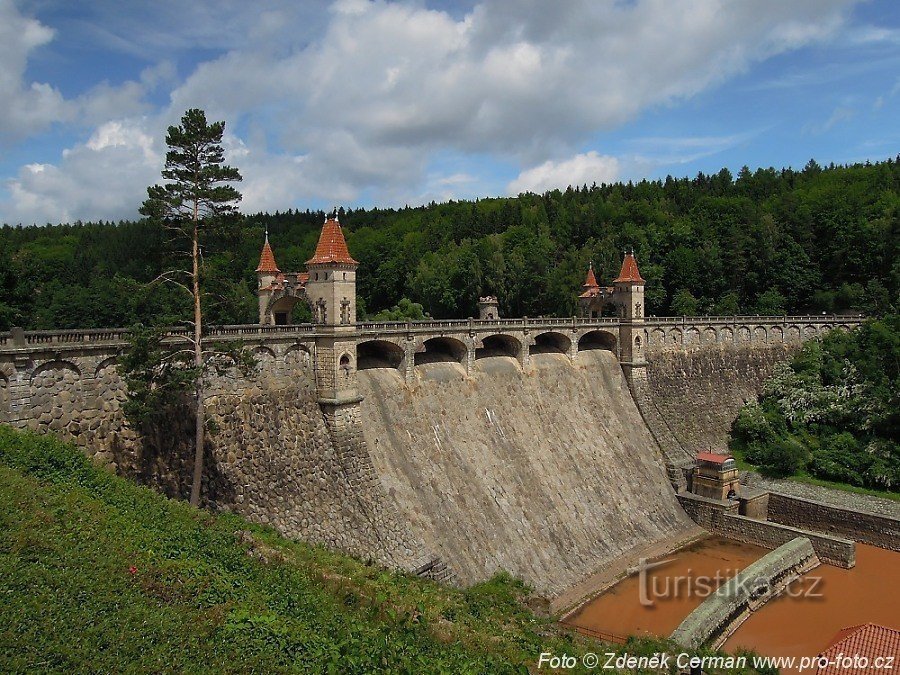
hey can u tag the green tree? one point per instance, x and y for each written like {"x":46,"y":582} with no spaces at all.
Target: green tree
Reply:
{"x":684,"y":303}
{"x":197,"y":200}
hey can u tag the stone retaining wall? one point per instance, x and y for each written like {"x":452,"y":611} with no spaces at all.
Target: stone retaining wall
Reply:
{"x":274,"y":456}
{"x":867,"y":528}
{"x":726,"y":609}
{"x":722,"y":518}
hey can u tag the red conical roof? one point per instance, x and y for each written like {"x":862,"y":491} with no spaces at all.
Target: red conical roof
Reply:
{"x":591,"y":280}
{"x":629,"y":271}
{"x":267,"y":260}
{"x":332,"y":247}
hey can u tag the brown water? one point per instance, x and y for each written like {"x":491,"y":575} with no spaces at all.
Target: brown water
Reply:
{"x":803,"y":626}
{"x":673,"y":590}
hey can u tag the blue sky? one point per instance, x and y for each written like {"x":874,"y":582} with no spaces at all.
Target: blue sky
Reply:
{"x":389,"y":103}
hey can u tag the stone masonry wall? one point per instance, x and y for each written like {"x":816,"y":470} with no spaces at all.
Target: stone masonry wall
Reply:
{"x":275,"y":457}
{"x":721,"y":518}
{"x":867,"y":528}
{"x":695,"y":395}
{"x":548,"y":474}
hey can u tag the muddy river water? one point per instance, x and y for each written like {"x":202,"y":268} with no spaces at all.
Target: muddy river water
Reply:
{"x":655,"y":603}
{"x":800,"y":622}
{"x":803,"y":623}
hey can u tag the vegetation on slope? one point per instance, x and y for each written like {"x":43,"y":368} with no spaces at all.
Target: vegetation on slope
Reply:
{"x":100,"y":575}
{"x":767,"y":242}
{"x":833,"y":412}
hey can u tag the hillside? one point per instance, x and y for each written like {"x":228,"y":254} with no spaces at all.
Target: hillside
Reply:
{"x":766,"y":242}
{"x":832,"y":412}
{"x":99,"y":574}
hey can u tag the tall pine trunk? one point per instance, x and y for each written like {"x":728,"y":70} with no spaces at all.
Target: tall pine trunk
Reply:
{"x":200,"y":419}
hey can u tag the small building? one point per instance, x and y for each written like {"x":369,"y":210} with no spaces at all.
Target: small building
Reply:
{"x":868,"y":643}
{"x":488,"y":308}
{"x":626,"y":295}
{"x":715,"y":476}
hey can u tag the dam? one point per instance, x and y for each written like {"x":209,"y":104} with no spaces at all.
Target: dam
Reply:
{"x":554,"y":448}
{"x":520,"y":472}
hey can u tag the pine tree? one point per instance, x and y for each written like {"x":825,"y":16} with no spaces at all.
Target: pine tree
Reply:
{"x":198,"y":198}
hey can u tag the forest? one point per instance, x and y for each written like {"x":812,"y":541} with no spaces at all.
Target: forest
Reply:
{"x":833,"y":412}
{"x":820,"y":239}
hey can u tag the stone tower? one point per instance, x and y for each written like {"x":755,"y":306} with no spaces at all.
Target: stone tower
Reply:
{"x":266,"y":272}
{"x":488,"y":308}
{"x":331,"y":290}
{"x":629,"y":297}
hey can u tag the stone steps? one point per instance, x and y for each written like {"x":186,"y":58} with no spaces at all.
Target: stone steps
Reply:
{"x":436,"y":570}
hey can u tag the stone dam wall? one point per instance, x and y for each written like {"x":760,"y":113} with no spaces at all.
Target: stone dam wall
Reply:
{"x":726,"y":609}
{"x":275,"y":458}
{"x":548,"y":474}
{"x":690,"y":398}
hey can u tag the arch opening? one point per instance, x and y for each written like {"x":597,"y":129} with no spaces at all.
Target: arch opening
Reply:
{"x":441,"y":349}
{"x":550,"y":343}
{"x":282,"y":310}
{"x":597,"y":339}
{"x":499,"y":345}
{"x":378,"y":354}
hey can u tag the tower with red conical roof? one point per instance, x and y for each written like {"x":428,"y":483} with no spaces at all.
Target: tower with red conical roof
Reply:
{"x":629,"y":297}
{"x":266,"y":273}
{"x":331,"y":291}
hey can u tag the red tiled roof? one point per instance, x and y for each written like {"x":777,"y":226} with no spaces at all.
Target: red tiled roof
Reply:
{"x":267,"y":260}
{"x":629,"y":270}
{"x":332,"y":247}
{"x":868,"y":640}
{"x":712,"y":457}
{"x":591,"y":280}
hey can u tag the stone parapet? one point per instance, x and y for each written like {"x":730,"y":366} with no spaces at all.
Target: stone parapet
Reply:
{"x":867,"y":528}
{"x":723,"y":518}
{"x":722,"y":612}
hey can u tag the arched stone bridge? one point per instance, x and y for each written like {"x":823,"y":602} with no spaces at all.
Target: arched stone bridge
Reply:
{"x":37,"y":365}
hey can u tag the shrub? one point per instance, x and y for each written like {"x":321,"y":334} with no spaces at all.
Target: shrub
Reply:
{"x":838,"y":458}
{"x":784,"y":458}
{"x":752,"y":427}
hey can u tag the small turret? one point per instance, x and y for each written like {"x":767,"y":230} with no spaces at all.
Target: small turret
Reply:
{"x":590,"y":281}
{"x":629,"y":297}
{"x":267,"y":273}
{"x":331,"y":289}
{"x":488,"y":308}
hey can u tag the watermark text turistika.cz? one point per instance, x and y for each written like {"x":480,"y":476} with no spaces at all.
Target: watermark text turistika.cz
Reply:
{"x":653,"y":588}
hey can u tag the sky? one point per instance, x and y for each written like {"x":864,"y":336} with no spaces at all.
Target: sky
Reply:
{"x":360,"y":103}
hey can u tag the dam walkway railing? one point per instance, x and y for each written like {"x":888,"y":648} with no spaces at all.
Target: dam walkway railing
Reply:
{"x":19,"y":339}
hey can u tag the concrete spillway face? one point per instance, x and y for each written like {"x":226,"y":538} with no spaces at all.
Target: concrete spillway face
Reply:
{"x":547,"y":475}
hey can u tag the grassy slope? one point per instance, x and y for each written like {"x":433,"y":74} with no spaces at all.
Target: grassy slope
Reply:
{"x":204,"y":597}
{"x":100,"y":575}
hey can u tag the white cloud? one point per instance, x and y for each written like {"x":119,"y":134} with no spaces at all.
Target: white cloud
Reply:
{"x":103,"y":179}
{"x":583,"y":169}
{"x":28,"y":107}
{"x":364,"y":104}
{"x":387,"y":84}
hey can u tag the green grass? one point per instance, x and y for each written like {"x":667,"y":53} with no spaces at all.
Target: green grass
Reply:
{"x":803,"y":477}
{"x":100,"y":575}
